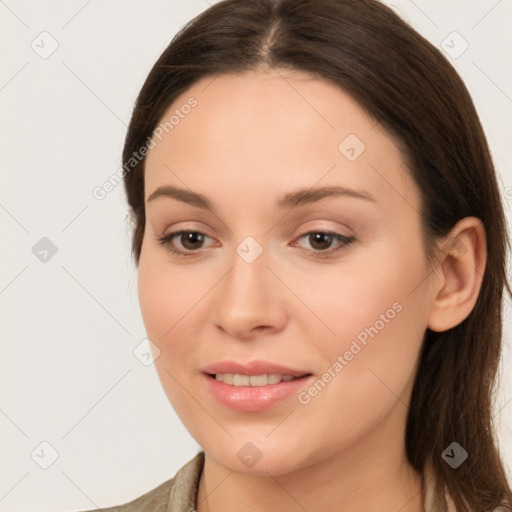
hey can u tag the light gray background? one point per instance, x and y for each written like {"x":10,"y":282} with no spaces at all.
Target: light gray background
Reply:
{"x":69,"y":325}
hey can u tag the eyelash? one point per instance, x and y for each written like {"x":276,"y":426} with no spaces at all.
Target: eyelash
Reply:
{"x":166,"y":240}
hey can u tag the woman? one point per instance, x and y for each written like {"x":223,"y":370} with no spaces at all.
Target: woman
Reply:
{"x":321,"y":254}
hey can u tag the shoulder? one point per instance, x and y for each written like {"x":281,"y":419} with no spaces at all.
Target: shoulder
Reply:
{"x":156,"y":500}
{"x":177,"y":493}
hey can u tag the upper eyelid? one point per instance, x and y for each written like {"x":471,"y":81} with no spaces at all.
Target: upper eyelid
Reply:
{"x":303,"y":231}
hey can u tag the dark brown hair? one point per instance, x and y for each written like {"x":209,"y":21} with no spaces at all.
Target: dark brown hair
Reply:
{"x":408,"y":86}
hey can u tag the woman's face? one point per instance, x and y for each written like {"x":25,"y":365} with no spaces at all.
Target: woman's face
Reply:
{"x":303,"y":261}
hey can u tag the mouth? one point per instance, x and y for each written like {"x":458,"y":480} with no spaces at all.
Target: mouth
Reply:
{"x":255,"y":386}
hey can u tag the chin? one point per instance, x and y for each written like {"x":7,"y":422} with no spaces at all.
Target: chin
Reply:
{"x":256,"y":458}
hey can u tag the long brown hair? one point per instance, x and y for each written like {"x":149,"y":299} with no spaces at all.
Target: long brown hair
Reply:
{"x":408,"y":86}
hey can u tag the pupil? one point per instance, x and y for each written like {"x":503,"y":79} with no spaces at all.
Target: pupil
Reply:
{"x":191,"y":238}
{"x":324,"y":239}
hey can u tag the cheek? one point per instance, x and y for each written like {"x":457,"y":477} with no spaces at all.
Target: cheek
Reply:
{"x":368,"y":374}
{"x":164,"y":300}
{"x":174,"y":304}
{"x":166,"y":293}
{"x":378,"y":314}
{"x":154,"y":299}
{"x":378,"y":289}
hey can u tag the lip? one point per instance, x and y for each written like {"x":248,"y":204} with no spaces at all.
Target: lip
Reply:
{"x":253,"y":398}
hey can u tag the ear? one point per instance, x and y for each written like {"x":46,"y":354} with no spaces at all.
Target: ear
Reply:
{"x":462,"y":257}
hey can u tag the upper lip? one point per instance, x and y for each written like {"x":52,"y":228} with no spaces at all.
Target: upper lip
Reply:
{"x":253,"y":368}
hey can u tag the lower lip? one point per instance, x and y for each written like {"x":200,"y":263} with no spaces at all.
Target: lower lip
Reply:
{"x":254,"y":398}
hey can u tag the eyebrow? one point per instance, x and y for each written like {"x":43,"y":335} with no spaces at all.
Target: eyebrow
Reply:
{"x":290,"y":200}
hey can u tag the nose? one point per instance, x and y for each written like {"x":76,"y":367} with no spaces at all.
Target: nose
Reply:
{"x":249,"y":300}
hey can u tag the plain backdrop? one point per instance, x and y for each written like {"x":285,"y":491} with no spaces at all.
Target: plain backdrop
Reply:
{"x":83,"y":422}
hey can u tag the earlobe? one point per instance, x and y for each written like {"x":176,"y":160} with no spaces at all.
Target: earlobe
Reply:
{"x":461,"y":265}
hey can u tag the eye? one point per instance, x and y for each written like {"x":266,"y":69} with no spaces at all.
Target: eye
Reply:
{"x":191,"y":241}
{"x":321,"y":242}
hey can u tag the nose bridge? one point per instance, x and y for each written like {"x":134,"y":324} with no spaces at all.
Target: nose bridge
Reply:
{"x":248,"y":281}
{"x":248,"y":298}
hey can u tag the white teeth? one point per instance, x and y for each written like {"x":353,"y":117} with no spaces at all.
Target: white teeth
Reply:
{"x":252,"y":380}
{"x":274,"y":378}
{"x":227,"y":378}
{"x":258,"y":380}
{"x":241,"y":380}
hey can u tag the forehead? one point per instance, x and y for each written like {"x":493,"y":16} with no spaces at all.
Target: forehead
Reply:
{"x":271,"y":129}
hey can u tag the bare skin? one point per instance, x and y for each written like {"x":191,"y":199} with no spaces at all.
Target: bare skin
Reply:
{"x":251,"y":139}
